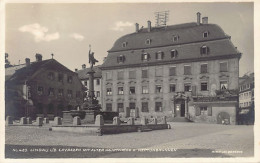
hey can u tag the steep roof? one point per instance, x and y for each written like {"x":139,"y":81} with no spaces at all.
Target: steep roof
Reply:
{"x":188,"y":45}
{"x":82,"y":74}
{"x":26,"y":72}
{"x":247,"y":79}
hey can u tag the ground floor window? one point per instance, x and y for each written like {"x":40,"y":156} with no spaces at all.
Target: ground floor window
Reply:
{"x":158,"y":106}
{"x":145,"y":107}
{"x":203,"y":110}
{"x":120,"y":107}
{"x":108,"y":106}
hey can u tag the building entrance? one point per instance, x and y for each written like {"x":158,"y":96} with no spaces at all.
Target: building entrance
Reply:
{"x":180,"y":108}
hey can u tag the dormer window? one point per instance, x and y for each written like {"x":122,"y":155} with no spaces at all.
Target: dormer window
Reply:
{"x":120,"y":59}
{"x":145,"y":56}
{"x":175,"y":38}
{"x":174,"y":53}
{"x":124,"y":44}
{"x":159,"y":55}
{"x":148,"y":41}
{"x":205,"y":34}
{"x":204,"y":50}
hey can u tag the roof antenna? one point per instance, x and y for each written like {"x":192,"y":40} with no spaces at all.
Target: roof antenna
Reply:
{"x":52,"y":55}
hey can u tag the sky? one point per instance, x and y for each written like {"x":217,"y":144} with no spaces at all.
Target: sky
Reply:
{"x":67,"y":30}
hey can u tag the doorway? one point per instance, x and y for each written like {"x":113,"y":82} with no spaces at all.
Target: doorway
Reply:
{"x":179,"y":108}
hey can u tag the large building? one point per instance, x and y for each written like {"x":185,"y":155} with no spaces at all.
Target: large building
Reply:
{"x":187,"y":70}
{"x":84,"y":77}
{"x":41,"y":88}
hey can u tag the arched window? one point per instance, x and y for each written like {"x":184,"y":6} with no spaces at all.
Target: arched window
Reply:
{"x":204,"y":50}
{"x":174,"y":53}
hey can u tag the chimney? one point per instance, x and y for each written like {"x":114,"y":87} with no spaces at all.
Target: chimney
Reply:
{"x":149,"y":26}
{"x":83,"y":66}
{"x":27,"y":61}
{"x":198,"y":18}
{"x":38,"y":57}
{"x":76,"y":69}
{"x":205,"y":20}
{"x":136,"y":27}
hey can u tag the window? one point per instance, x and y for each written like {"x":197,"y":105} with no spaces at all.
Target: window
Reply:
{"x":158,"y":71}
{"x":109,"y":91}
{"x":120,"y":75}
{"x":60,"y":92}
{"x":40,"y":90}
{"x":86,"y":83}
{"x":187,"y":87}
{"x":203,"y":68}
{"x":172,"y":71}
{"x":172,"y":88}
{"x":148,"y":41}
{"x":108,"y":106}
{"x":120,"y":59}
{"x":174,"y":53}
{"x":204,"y":86}
{"x":132,"y":105}
{"x":205,"y":34}
{"x":69,"y":79}
{"x":51,"y":91}
{"x":70,"y":93}
{"x":159,"y":55}
{"x":51,"y":76}
{"x":223,"y":66}
{"x":132,"y":74}
{"x":60,"y":77}
{"x":145,"y":57}
{"x":145,"y":107}
{"x":175,"y":38}
{"x":98,"y":81}
{"x":187,"y":70}
{"x":158,"y":89}
{"x":124,"y":44}
{"x":109,"y":75}
{"x":120,"y":90}
{"x":144,"y":73}
{"x":78,"y":94}
{"x":145,"y":90}
{"x":132,"y":90}
{"x":120,"y":107}
{"x":203,"y":110}
{"x":158,"y":106}
{"x":223,"y":85}
{"x":204,"y":50}
{"x":98,"y":93}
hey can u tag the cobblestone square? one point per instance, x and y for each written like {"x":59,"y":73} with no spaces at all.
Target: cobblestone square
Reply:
{"x":182,"y":140}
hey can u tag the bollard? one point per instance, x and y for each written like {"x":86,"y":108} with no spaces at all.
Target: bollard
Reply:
{"x":39,"y":121}
{"x":76,"y":121}
{"x":99,"y":120}
{"x":9,"y":120}
{"x":46,"y":120}
{"x":29,"y":120}
{"x":57,"y":121}
{"x":144,"y":121}
{"x":22,"y":121}
{"x":116,"y":121}
{"x":131,"y":121}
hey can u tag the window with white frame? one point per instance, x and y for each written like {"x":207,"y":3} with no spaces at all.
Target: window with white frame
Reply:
{"x":223,"y":85}
{"x":187,"y":87}
{"x":109,"y":91}
{"x":174,"y":53}
{"x":120,"y":90}
{"x":145,"y":90}
{"x":204,"y":50}
{"x":158,"y":88}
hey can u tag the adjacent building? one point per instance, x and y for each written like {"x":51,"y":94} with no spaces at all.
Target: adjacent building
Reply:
{"x":246,"y":92}
{"x":41,"y":88}
{"x":84,"y":77}
{"x":183,"y":71}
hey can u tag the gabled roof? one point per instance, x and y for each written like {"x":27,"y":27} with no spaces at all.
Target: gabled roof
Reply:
{"x":82,"y":74}
{"x":247,"y":79}
{"x":26,"y":72}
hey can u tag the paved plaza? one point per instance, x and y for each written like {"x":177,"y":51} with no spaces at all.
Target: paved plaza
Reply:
{"x":182,"y":140}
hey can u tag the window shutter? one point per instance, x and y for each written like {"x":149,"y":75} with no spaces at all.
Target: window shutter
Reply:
{"x":197,"y":111}
{"x":209,"y":111}
{"x":194,"y":93}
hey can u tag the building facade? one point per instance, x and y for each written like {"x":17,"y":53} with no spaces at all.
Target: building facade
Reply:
{"x":42,"y":88}
{"x":188,"y":70}
{"x":246,"y":92}
{"x":84,"y":77}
